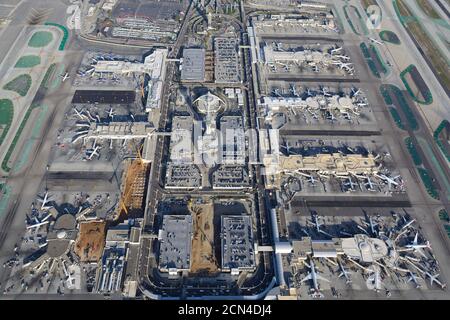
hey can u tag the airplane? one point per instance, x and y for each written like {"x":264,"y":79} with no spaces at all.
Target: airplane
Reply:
{"x":369,"y":184}
{"x":317,"y":224}
{"x":325,"y":91}
{"x":414,"y":279}
{"x":415,"y":246}
{"x":350,"y":184}
{"x":308,"y":92}
{"x":433,"y":278}
{"x":65,"y":76}
{"x":111,"y":114}
{"x":355,"y":92}
{"x":408,"y":223}
{"x":79,"y":114}
{"x":388,"y":180}
{"x":93,"y":152}
{"x":293,"y":89}
{"x":287,"y":147}
{"x":44,"y":200}
{"x":369,"y":222}
{"x":336,"y":50}
{"x":276,"y":92}
{"x":330,"y":116}
{"x":312,"y":180}
{"x":344,"y":273}
{"x":314,"y":277}
{"x":376,"y":41}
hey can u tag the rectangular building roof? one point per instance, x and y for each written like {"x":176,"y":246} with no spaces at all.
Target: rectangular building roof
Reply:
{"x":237,"y":243}
{"x":193,"y":67}
{"x":175,"y":239}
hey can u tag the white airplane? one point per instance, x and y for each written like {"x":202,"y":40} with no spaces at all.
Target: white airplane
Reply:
{"x":408,"y":223}
{"x":111,"y":114}
{"x":314,"y":277}
{"x":336,"y":50}
{"x":350,"y":184}
{"x":312,"y":180}
{"x":325,"y":92}
{"x":287,"y":147}
{"x":390,"y":181}
{"x":369,"y":184}
{"x":376,"y":41}
{"x":44,"y":200}
{"x":355,"y":92}
{"x":414,"y":279}
{"x":65,"y":76}
{"x":434,"y":278}
{"x":369,"y":223}
{"x":293,"y":89}
{"x":331,"y":117}
{"x":344,"y":273}
{"x":316,"y":222}
{"x":93,"y":152}
{"x":308,"y":92}
{"x":276,"y":92}
{"x":79,"y":114}
{"x":416,"y":247}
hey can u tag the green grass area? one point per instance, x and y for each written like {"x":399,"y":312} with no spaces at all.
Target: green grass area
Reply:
{"x":430,"y":51}
{"x":389,"y":36}
{"x":20,"y":84}
{"x":404,"y":105}
{"x":28,"y":61}
{"x":65,"y":31}
{"x":447,"y":229}
{"x":386,"y":96}
{"x":379,"y":58}
{"x":413,"y":151}
{"x":441,"y":142}
{"x":443,"y":215}
{"x":40,"y":39}
{"x":372,"y":66}
{"x":428,"y":9}
{"x":429,"y":185}
{"x":51,"y":69}
{"x":6,"y":116}
{"x":428,"y":98}
{"x":397,"y":119}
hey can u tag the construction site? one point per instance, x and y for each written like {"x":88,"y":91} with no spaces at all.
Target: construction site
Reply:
{"x":203,"y":249}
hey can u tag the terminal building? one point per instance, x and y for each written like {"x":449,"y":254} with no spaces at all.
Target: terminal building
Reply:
{"x":237,"y":244}
{"x":175,"y":237}
{"x":153,"y":66}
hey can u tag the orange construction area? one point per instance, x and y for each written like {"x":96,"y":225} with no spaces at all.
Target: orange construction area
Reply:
{"x":90,"y":241}
{"x":203,"y":259}
{"x":133,"y":187}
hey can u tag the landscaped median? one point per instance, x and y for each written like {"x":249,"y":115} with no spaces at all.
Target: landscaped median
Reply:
{"x":412,"y":79}
{"x":65,"y":34}
{"x":389,"y":92}
{"x":442,"y":140}
{"x":389,"y":36}
{"x":6,"y":116}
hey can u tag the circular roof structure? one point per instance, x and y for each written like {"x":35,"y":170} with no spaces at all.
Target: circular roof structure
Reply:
{"x":61,"y":236}
{"x":66,"y":221}
{"x":364,"y":248}
{"x":208,"y":103}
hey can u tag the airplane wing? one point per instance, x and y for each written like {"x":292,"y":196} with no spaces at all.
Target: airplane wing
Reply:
{"x":319,"y":277}
{"x":308,"y":277}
